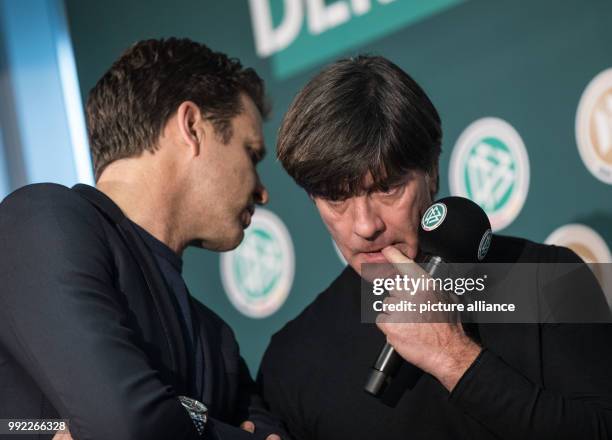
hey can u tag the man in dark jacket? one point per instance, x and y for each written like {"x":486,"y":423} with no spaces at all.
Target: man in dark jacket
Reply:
{"x":363,"y":139}
{"x":96,"y":323}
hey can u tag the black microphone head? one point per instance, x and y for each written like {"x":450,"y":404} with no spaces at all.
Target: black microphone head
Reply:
{"x":455,"y":229}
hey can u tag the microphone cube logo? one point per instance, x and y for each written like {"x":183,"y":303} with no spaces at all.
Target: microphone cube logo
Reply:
{"x":594,"y":126}
{"x":434,"y":216}
{"x":490,"y":166}
{"x":258,"y":274}
{"x":485,"y":244}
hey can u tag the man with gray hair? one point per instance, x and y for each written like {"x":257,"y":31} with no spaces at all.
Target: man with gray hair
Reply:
{"x":363,"y":140}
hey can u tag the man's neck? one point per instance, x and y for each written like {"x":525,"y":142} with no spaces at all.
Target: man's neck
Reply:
{"x":144,"y":201}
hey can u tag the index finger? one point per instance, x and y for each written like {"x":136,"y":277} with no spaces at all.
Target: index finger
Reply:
{"x":401,"y":262}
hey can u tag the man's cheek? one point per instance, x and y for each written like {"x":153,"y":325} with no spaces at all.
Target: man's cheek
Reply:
{"x":335,"y":232}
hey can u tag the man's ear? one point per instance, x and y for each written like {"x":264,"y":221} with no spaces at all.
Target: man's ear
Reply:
{"x":190,"y":126}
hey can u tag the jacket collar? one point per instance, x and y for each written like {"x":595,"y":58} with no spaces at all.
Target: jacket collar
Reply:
{"x":101,"y":200}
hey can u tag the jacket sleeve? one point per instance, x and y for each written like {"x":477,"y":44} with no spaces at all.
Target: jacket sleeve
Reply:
{"x":574,"y":398}
{"x":65,"y":323}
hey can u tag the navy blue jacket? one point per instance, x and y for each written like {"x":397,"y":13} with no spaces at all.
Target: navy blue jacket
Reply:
{"x":89,"y":331}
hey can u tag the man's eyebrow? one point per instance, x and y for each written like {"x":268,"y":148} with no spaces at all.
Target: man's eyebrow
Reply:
{"x":257,"y":147}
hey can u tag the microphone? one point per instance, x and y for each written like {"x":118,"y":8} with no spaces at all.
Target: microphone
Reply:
{"x":452,"y":230}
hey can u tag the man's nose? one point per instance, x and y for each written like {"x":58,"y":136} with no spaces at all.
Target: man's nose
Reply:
{"x":261,"y":195}
{"x":366,"y":222}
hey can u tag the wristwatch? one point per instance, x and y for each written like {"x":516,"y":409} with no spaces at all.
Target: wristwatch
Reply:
{"x":197,"y":411}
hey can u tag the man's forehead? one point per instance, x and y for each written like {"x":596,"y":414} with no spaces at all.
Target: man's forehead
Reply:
{"x":251,"y":118}
{"x":249,"y":123}
{"x":250,"y":110}
{"x":368,"y":182}
{"x":253,"y":133}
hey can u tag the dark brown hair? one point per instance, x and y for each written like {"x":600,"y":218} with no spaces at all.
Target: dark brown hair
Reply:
{"x":358,"y":116}
{"x":129,"y":106}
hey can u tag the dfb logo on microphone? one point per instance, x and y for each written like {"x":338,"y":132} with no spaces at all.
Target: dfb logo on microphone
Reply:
{"x":485,"y":243}
{"x":434,"y":216}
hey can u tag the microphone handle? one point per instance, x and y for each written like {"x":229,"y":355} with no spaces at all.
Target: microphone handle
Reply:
{"x":388,"y":361}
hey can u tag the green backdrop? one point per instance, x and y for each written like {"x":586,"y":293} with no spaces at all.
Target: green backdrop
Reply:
{"x":526,"y":62}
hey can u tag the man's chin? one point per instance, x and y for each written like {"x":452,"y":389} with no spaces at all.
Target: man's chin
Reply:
{"x":233,"y":242}
{"x":227,"y":243}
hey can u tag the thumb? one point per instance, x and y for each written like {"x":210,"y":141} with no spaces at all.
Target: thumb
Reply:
{"x":248,"y":426}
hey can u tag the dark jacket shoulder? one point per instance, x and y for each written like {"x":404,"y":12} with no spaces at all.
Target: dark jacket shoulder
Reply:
{"x":43,"y":196}
{"x":50,"y":208}
{"x":506,"y":249}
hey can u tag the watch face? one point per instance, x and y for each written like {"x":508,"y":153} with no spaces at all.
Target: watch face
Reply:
{"x":193,"y":405}
{"x":197,"y":412}
{"x":200,"y":407}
